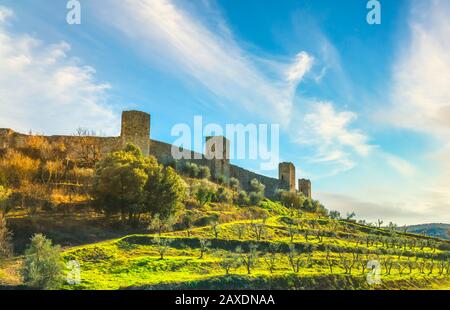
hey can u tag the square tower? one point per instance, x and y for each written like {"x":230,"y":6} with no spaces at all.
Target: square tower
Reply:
{"x":286,"y":174}
{"x":218,"y":152}
{"x":304,"y":186}
{"x":136,"y":130}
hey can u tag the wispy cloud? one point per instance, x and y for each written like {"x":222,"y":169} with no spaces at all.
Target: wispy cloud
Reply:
{"x":43,"y":89}
{"x":170,"y":35}
{"x":178,"y":39}
{"x":330,"y":131}
{"x":421,"y":75}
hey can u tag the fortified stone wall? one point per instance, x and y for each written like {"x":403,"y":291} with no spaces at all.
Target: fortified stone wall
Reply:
{"x":245,"y":177}
{"x":136,"y":129}
{"x":10,"y":138}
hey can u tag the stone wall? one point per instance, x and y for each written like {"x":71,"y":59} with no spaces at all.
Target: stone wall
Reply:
{"x":136,"y":129}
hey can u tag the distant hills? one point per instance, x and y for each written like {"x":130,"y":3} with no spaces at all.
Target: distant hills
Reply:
{"x":434,"y":230}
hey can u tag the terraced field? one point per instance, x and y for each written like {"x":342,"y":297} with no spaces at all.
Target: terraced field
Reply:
{"x":281,"y":251}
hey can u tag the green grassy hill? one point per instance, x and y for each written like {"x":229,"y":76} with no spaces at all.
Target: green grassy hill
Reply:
{"x":329,"y":254}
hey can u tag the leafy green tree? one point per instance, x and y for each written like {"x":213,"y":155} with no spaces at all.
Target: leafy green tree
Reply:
{"x":162,"y":223}
{"x":204,"y":194}
{"x":119,"y":182}
{"x":308,"y":205}
{"x":292,"y":199}
{"x":242,"y":199}
{"x":191,"y":169}
{"x":335,"y":215}
{"x":256,"y":191}
{"x":350,"y":216}
{"x":5,"y":239}
{"x":165,"y":191}
{"x":43,"y":267}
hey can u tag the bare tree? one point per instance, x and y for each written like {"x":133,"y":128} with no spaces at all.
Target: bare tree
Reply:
{"x":330,"y":261}
{"x":271,"y":257}
{"x":388,"y":263}
{"x":259,"y":229}
{"x":227,"y":262}
{"x":204,"y":246}
{"x":215,"y":229}
{"x":248,"y":258}
{"x":162,"y":244}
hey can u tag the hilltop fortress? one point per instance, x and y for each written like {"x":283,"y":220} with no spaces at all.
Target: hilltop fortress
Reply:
{"x":135,"y":129}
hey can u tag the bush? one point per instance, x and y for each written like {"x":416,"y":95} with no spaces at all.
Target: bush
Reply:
{"x":242,"y":199}
{"x":191,"y":169}
{"x":204,"y":194}
{"x":222,"y":195}
{"x":203,"y":172}
{"x":291,"y":199}
{"x":43,"y":266}
{"x":234,"y":184}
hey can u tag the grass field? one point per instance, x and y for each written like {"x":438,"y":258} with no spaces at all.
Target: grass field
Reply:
{"x":304,"y":251}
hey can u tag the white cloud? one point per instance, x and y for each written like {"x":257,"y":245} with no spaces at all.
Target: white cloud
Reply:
{"x":302,"y":64}
{"x":421,"y":75}
{"x":330,"y":131}
{"x":44,"y":90}
{"x":400,"y":165}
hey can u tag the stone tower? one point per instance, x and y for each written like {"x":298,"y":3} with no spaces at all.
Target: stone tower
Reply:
{"x":304,"y":186}
{"x":136,"y":130}
{"x":218,"y":151}
{"x":286,"y":174}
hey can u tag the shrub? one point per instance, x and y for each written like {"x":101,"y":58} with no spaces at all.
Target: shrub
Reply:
{"x":234,"y":184}
{"x":191,"y":169}
{"x":242,"y":199}
{"x":204,"y":172}
{"x":222,"y":195}
{"x":43,"y":266}
{"x":204,"y":194}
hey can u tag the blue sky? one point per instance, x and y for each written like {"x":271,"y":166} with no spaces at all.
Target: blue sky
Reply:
{"x":364,"y":109}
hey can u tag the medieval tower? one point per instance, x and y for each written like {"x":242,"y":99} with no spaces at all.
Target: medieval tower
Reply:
{"x":218,"y":150}
{"x":286,"y":174}
{"x":304,"y":186}
{"x":136,"y":130}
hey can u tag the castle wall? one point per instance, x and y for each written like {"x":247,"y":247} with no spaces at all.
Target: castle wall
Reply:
{"x":10,"y":138}
{"x":245,"y":177}
{"x":136,"y":129}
